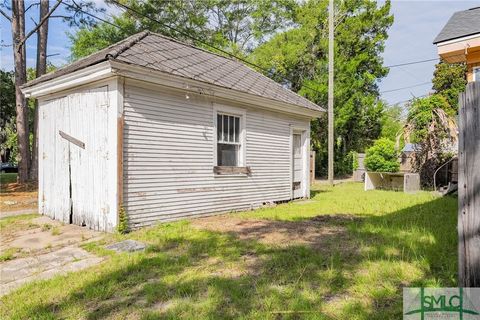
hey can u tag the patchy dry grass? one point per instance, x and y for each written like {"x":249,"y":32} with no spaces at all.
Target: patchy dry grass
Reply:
{"x":346,"y":254}
{"x":9,"y":225}
{"x":15,"y":196}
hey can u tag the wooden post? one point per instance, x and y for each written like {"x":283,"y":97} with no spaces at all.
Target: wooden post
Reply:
{"x":469,"y":187}
{"x":330,"y":91}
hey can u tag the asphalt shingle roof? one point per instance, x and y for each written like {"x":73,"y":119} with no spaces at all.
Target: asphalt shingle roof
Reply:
{"x":160,"y":53}
{"x":461,"y":24}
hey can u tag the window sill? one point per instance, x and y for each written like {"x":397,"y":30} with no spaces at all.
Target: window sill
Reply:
{"x":232,"y":171}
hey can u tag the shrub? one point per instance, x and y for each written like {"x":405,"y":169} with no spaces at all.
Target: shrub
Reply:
{"x":382,"y":157}
{"x":354,"y":160}
{"x":122,"y":221}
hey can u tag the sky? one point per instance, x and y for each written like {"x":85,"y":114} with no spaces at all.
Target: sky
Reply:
{"x":410,"y":39}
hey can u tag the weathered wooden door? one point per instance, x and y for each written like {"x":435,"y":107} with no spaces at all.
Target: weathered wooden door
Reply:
{"x":73,"y":168}
{"x":298,"y":170}
{"x":88,"y":124}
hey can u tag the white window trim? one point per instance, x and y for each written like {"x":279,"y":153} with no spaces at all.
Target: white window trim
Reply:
{"x":242,"y":139}
{"x":474,"y":74}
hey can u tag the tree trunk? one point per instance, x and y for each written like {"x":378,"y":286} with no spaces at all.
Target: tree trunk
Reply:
{"x":42,"y":37}
{"x":19,"y":56}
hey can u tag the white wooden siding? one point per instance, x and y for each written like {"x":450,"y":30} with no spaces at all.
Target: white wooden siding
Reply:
{"x":86,"y":114}
{"x":169,"y":155}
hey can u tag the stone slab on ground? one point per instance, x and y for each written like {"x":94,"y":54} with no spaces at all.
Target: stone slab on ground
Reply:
{"x":127,"y":246}
{"x":16,"y":272}
{"x":36,"y":239}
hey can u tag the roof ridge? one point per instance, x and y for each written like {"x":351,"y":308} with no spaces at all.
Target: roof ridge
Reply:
{"x":133,"y":39}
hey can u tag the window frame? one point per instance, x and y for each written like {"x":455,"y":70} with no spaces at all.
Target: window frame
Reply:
{"x":236,"y":112}
{"x":474,"y":74}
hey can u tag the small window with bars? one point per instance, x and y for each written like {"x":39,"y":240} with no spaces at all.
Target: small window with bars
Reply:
{"x":228,"y":140}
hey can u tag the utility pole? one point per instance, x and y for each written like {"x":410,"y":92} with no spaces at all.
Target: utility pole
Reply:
{"x":330,"y":92}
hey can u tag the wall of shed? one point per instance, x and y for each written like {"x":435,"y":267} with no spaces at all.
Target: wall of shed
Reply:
{"x":168,"y":156}
{"x":89,"y":114}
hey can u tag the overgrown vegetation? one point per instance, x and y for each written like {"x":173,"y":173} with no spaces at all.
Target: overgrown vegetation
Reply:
{"x":382,"y":157}
{"x":122,"y":226}
{"x":431,"y":125}
{"x":449,"y":81}
{"x":373,"y":244}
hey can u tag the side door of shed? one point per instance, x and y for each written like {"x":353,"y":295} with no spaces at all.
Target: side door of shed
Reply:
{"x":88,"y":115}
{"x":298,"y":170}
{"x":53,"y":160}
{"x":73,"y":149}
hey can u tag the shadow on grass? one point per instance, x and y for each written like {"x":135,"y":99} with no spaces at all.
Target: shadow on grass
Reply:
{"x":204,"y":274}
{"x":315,"y":192}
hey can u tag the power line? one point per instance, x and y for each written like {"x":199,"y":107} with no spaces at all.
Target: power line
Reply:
{"x":404,"y":101}
{"x":241,"y":59}
{"x":206,"y":43}
{"x":403,"y":88}
{"x":409,"y":63}
{"x":186,"y":35}
{"x":91,"y":15}
{"x":218,"y":49}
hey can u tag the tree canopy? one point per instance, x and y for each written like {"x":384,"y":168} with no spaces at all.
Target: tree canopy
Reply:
{"x":237,"y":26}
{"x":300,"y":54}
{"x":8,"y":138}
{"x":392,"y":124}
{"x":449,"y":81}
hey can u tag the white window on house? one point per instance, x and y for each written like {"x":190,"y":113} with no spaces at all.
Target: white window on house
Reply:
{"x":229,"y":141}
{"x":476,"y":74}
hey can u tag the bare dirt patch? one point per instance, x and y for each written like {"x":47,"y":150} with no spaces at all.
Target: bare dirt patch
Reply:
{"x":320,"y":232}
{"x":41,"y":234}
{"x":15,"y":196}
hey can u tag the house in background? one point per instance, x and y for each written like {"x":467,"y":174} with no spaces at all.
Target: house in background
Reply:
{"x":407,"y":157}
{"x":167,"y":131}
{"x":459,"y":41}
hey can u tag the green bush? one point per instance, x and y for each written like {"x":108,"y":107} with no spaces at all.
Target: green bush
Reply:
{"x":122,"y":227}
{"x":382,"y":157}
{"x":354,"y":160}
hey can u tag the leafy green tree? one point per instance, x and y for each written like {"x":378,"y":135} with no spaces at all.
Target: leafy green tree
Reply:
{"x":393,"y":123}
{"x":382,"y":157}
{"x":237,"y":26}
{"x":300,"y":54}
{"x":449,"y":80}
{"x":8,"y":140}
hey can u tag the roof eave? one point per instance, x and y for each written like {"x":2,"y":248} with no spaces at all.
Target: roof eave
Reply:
{"x":459,"y":38}
{"x":77,"y":78}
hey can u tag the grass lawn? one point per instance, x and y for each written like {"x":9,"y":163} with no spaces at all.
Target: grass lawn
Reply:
{"x":8,"y":178}
{"x":371,"y":245}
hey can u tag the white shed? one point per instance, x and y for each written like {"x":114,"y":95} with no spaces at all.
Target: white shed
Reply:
{"x":168,"y":131}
